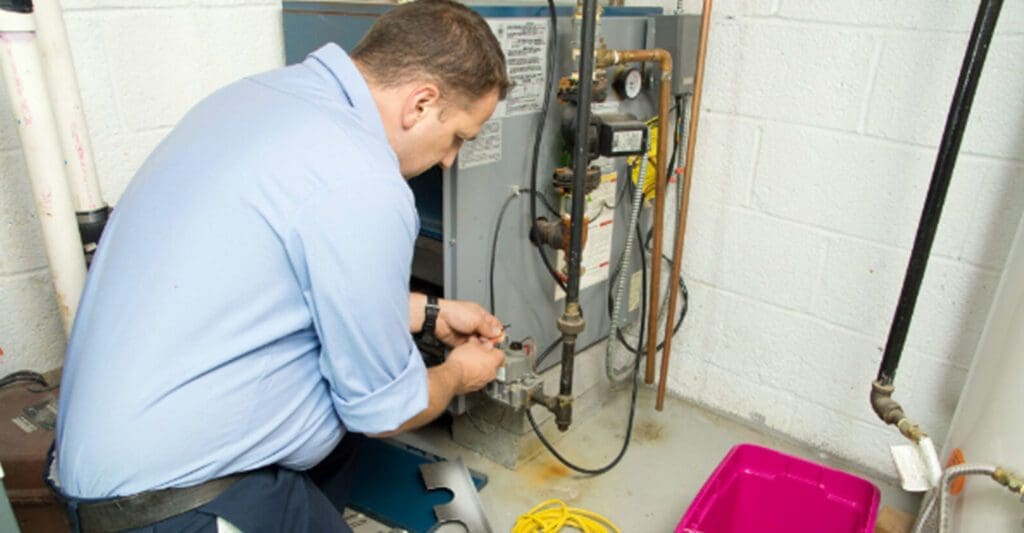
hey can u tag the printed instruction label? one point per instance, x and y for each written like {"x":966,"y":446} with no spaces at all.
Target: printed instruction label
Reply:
{"x":600,"y":208}
{"x":485,"y":149}
{"x":525,"y":43}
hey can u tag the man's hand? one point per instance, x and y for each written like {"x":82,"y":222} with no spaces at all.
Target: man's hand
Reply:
{"x":459,"y":321}
{"x":476,"y":362}
{"x":469,"y":367}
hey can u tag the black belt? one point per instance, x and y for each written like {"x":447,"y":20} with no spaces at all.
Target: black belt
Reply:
{"x":146,"y":508}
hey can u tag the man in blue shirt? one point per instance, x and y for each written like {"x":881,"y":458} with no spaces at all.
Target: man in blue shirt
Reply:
{"x":249,"y":303}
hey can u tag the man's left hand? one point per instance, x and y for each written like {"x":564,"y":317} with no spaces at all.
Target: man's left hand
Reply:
{"x":458,"y":321}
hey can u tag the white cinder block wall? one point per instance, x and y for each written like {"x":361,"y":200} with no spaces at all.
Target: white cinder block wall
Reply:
{"x":818,"y":134}
{"x":140,"y":66}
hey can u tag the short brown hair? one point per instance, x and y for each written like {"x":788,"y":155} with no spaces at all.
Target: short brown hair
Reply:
{"x":440,"y":40}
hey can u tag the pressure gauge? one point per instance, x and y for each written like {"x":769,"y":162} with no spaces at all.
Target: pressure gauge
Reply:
{"x":629,"y":83}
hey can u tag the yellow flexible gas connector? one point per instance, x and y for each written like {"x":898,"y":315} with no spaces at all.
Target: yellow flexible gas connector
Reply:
{"x":553,"y":515}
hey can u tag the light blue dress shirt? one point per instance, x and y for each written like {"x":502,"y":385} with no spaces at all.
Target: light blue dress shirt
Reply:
{"x":249,"y":300}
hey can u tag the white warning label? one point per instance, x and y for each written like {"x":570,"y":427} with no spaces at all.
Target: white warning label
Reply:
{"x":485,"y":149}
{"x":597,"y":254}
{"x":525,"y":43}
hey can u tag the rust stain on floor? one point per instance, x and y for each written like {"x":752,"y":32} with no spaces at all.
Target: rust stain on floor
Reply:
{"x":647,"y":431}
{"x":546,"y":472}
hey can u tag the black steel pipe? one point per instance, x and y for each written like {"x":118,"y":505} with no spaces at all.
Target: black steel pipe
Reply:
{"x":581,"y":154}
{"x":956,"y":121}
{"x":571,"y":322}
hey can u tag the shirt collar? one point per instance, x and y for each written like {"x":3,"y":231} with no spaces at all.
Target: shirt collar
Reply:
{"x":333,"y":61}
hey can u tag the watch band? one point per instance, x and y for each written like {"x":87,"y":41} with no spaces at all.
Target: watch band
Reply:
{"x":430,"y":312}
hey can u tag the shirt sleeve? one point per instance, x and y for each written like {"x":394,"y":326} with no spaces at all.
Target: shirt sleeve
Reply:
{"x":352,"y":251}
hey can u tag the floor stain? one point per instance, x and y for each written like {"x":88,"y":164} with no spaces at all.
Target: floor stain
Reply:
{"x":647,"y":431}
{"x":545,"y":473}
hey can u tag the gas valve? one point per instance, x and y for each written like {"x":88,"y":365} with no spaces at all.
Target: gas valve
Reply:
{"x":516,"y":383}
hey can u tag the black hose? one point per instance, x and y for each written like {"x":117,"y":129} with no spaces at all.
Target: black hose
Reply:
{"x":956,"y":121}
{"x":632,"y":403}
{"x":497,"y":230}
{"x":552,"y":80}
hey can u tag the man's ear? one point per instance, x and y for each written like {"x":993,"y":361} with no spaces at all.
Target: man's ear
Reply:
{"x":420,"y":102}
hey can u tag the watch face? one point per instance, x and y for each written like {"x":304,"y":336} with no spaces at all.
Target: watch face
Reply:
{"x":632,"y":83}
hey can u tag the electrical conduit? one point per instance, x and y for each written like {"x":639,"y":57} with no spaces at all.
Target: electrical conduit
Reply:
{"x":618,"y":375}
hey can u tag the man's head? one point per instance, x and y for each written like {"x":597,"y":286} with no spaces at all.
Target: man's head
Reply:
{"x":436,"y":72}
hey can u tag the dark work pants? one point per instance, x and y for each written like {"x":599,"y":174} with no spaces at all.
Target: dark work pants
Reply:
{"x":273,"y":499}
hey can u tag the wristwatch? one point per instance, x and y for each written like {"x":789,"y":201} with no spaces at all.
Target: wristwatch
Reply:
{"x":430,"y":312}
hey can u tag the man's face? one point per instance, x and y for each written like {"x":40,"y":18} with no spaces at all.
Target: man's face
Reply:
{"x":440,"y":135}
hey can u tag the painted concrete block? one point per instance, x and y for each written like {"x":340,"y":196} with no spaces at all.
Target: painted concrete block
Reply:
{"x":792,"y":352}
{"x":802,"y":74}
{"x":724,"y":162}
{"x":31,"y":336}
{"x":997,"y":210}
{"x":92,"y":67}
{"x":157,"y":75}
{"x":844,"y":183}
{"x":865,"y":443}
{"x":20,"y":235}
{"x":238,"y":42}
{"x":916,"y":77}
{"x":727,"y":8}
{"x":745,"y":252}
{"x":929,"y":389}
{"x":115,"y":5}
{"x":913,"y":14}
{"x":747,"y":399}
{"x":951,"y":310}
{"x":860,"y":286}
{"x":119,"y":157}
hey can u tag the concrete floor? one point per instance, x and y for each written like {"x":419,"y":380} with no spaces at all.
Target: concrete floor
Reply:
{"x":669,"y":458}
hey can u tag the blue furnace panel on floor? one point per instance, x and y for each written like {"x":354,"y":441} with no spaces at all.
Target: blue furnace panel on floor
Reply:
{"x":388,"y":488}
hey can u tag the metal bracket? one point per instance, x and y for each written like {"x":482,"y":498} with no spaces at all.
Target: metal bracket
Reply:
{"x":465,"y":507}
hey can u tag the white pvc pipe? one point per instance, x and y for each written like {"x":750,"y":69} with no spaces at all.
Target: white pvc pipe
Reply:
{"x":26,"y":88}
{"x":52,"y":39}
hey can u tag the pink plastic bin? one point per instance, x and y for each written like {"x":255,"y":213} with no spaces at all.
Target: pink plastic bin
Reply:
{"x":759,"y":489}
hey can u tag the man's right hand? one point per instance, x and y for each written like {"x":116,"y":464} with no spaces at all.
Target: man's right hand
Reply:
{"x":477,"y":361}
{"x":469,"y":367}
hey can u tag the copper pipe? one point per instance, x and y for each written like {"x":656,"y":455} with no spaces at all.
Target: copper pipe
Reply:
{"x":664,"y":58}
{"x":680,"y":237}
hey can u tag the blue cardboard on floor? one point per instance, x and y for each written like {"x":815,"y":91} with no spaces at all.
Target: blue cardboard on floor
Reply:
{"x":388,"y":488}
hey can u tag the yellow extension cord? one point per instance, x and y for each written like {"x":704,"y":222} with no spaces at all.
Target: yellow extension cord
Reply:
{"x":552,"y":515}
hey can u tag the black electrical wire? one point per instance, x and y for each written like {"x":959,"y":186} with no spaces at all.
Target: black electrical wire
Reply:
{"x":684,"y":292}
{"x":497,"y":229}
{"x":547,"y":351}
{"x":629,"y":423}
{"x":24,"y":375}
{"x":538,"y":136}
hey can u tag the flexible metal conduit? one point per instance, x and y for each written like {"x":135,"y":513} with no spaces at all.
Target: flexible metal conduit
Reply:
{"x":618,"y":375}
{"x":571,"y":322}
{"x":680,"y":236}
{"x":664,"y":60}
{"x":940,"y":494}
